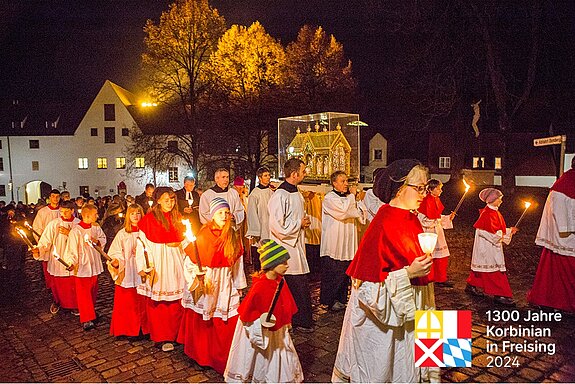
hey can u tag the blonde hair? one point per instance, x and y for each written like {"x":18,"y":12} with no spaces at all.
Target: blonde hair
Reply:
{"x":127,"y":222}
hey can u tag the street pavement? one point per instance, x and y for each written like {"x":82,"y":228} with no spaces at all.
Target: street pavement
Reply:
{"x":36,"y":346}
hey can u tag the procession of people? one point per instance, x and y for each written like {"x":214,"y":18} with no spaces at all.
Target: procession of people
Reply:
{"x":178,"y":260}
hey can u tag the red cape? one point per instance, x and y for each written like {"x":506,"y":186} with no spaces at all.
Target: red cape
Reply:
{"x":259,"y":299}
{"x":431,"y":206}
{"x":156,"y":233}
{"x":566,"y":184}
{"x":490,"y":220}
{"x":389,"y":244}
{"x":210,"y":254}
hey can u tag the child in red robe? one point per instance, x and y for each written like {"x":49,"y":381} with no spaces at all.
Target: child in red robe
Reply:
{"x":160,"y":259}
{"x":433,"y":221}
{"x":488,"y":272}
{"x":129,"y":313}
{"x":87,"y":263}
{"x":261,"y":353}
{"x":210,"y":318}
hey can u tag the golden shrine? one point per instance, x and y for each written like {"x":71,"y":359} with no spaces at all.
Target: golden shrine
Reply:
{"x":325,"y":141}
{"x":323,"y":151}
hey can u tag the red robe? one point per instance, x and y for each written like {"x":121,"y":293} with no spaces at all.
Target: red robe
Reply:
{"x":259,"y":299}
{"x":431,"y":206}
{"x":490,"y":220}
{"x":389,"y":244}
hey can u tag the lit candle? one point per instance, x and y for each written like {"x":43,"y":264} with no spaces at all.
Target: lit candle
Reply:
{"x":198,"y":288}
{"x":57,"y":257}
{"x":527,"y":205}
{"x":121,"y":214}
{"x":188,"y":233}
{"x":32,"y":229}
{"x":22,"y":234}
{"x":150,"y":203}
{"x":427,"y":242}
{"x":98,"y":249}
{"x":467,"y":186}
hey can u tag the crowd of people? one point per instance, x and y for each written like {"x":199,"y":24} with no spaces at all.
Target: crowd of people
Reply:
{"x":177,"y":261}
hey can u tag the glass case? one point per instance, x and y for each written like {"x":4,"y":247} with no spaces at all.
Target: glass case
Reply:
{"x":326,"y":142}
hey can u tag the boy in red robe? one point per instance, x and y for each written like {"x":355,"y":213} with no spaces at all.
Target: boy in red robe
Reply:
{"x":264,"y":352}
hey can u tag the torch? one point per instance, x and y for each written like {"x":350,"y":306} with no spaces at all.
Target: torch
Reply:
{"x":197,"y":289}
{"x":27,"y":225}
{"x":57,"y":257}
{"x":267,"y":319}
{"x":98,"y":249}
{"x":22,"y":234}
{"x":467,"y":186}
{"x":427,"y":242}
{"x":527,"y":205}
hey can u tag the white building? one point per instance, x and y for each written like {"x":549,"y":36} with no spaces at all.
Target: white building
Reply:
{"x":41,"y":150}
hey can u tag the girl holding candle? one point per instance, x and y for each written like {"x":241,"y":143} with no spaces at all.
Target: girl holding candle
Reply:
{"x":129,"y":313}
{"x":261,"y":352}
{"x":160,"y":260}
{"x":488,"y":272}
{"x":210,"y":319}
{"x":432,"y":220}
{"x":390,"y":281}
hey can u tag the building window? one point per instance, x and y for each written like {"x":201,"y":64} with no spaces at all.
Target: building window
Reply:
{"x":0,"y":144}
{"x":377,"y":154}
{"x":1,"y":164}
{"x":109,"y":112}
{"x":93,"y":131}
{"x":82,"y":163}
{"x":173,"y":145}
{"x":445,"y":162}
{"x":102,"y":163}
{"x":498,"y":163}
{"x":173,"y":174}
{"x":125,"y":132}
{"x":84,"y":190}
{"x":34,"y":144}
{"x":2,"y":190}
{"x":120,"y":162}
{"x":139,"y":162}
{"x":479,"y":162}
{"x":109,"y":135}
{"x":35,"y":165}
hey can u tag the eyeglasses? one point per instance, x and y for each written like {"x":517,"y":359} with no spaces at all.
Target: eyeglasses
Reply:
{"x":421,"y":189}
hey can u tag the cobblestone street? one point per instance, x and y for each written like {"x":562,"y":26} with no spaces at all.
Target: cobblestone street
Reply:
{"x":38,"y":347}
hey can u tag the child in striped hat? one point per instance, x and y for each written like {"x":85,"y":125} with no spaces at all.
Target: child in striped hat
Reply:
{"x":259,"y":353}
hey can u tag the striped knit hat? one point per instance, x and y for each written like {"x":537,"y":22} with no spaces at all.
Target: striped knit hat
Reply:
{"x":217,"y":203}
{"x":271,"y":254}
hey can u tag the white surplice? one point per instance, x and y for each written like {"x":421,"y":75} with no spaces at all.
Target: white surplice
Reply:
{"x":53,"y":242}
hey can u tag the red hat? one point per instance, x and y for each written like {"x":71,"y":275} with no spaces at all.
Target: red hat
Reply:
{"x":239,"y":181}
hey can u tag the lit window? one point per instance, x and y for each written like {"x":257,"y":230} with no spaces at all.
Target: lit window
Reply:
{"x":478,"y":162}
{"x":498,"y":163}
{"x":82,"y":163}
{"x":139,"y":162}
{"x":102,"y":162}
{"x":445,"y":162}
{"x":120,"y":162}
{"x":35,"y":165}
{"x":173,"y":174}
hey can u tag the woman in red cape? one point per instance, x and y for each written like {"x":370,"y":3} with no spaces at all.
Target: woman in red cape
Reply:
{"x":390,"y":281}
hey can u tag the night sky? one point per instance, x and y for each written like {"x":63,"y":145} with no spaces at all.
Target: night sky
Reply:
{"x":64,"y":50}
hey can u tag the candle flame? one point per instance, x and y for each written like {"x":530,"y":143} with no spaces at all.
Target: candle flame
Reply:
{"x":88,"y":240}
{"x":467,"y":186}
{"x":188,"y":233}
{"x":527,"y":204}
{"x":56,"y":255}
{"x":121,"y":214}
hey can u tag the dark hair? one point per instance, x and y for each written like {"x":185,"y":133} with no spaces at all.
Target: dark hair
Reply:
{"x":149,"y":185}
{"x":55,"y":192}
{"x":432,"y":184}
{"x":261,"y":171}
{"x":292,"y":165}
{"x":335,"y":175}
{"x":189,"y":178}
{"x":68,"y":204}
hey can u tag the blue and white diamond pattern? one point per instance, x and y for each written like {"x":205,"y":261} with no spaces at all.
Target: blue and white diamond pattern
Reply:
{"x":457,"y":352}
